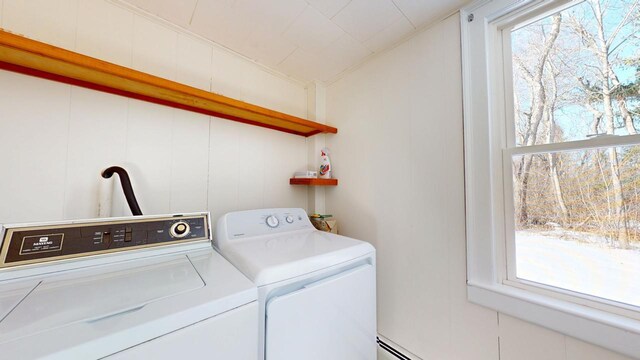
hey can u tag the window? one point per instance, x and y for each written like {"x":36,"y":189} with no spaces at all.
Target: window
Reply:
{"x":576,"y":205}
{"x":552,"y":159}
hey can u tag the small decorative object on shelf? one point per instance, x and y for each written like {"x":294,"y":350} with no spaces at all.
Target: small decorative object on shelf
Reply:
{"x":310,"y":174}
{"x":324,"y":223}
{"x":325,"y":164}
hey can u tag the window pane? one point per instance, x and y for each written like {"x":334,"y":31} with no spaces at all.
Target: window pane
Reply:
{"x":577,"y":221}
{"x":564,"y":90}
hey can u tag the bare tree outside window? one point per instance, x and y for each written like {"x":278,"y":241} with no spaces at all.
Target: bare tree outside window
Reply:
{"x":576,"y":76}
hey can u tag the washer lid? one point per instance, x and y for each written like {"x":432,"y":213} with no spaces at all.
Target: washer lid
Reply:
{"x":57,"y":302}
{"x":96,"y":311}
{"x":269,"y":259}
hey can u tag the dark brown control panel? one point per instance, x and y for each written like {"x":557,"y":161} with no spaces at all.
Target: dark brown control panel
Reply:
{"x":42,"y":242}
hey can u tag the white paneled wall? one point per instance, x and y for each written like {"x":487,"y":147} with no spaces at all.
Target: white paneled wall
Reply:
{"x":55,"y":139}
{"x":33,"y":147}
{"x":97,"y":131}
{"x":53,"y":21}
{"x":189,"y":171}
{"x":106,"y":37}
{"x":520,"y":340}
{"x":399,"y":158}
{"x":194,"y":62}
{"x":154,"y":48}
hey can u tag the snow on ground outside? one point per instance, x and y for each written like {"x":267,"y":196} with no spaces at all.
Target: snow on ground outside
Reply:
{"x":582,"y":267}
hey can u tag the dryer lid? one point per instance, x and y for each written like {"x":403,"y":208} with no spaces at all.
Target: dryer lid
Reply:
{"x":269,"y":259}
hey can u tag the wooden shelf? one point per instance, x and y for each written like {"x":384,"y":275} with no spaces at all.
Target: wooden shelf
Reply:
{"x":314,"y":182}
{"x":30,"y":57}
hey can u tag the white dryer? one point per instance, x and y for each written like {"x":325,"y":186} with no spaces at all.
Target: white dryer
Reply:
{"x":317,"y":291}
{"x":123,"y":288}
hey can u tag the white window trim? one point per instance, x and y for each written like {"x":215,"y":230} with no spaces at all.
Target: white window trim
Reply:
{"x":484,"y":141}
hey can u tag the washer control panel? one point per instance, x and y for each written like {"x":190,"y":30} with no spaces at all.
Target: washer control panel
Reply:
{"x":248,"y":223}
{"x":27,"y":244}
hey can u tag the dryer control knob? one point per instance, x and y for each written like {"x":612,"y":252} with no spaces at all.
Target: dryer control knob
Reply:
{"x":272,"y":221}
{"x":289,"y":219}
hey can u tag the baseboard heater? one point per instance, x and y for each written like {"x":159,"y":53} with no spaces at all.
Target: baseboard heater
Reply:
{"x":391,"y":350}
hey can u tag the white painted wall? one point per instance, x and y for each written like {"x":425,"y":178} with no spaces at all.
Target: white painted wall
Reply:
{"x":399,"y":159}
{"x":55,"y":138}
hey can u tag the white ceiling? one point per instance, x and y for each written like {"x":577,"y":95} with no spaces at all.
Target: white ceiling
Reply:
{"x":305,"y":39}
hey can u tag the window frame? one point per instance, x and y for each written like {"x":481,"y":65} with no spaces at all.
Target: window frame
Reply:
{"x":489,"y":140}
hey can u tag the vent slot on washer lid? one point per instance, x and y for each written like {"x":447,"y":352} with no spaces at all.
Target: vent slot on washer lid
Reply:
{"x":59,"y":302}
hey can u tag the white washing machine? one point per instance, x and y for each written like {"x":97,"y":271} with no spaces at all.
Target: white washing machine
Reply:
{"x":317,"y":291}
{"x":123,"y":288}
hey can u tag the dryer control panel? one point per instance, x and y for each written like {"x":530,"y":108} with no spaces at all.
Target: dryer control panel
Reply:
{"x":249,"y":223}
{"x":36,"y":243}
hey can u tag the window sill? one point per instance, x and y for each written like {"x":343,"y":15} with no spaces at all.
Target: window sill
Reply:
{"x":611,"y":331}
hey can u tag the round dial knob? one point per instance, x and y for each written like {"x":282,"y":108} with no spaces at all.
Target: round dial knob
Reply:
{"x":272,"y":221}
{"x":289,"y":219}
{"x":179,"y":229}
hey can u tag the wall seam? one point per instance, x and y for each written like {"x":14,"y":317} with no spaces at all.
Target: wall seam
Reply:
{"x":499,"y":344}
{"x":209,"y":157}
{"x":209,"y":164}
{"x":126,"y":148}
{"x":66,"y":165}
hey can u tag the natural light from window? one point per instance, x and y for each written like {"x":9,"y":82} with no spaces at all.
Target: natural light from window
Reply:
{"x":576,"y":222}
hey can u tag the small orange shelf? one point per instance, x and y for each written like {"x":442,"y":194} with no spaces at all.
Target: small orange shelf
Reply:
{"x":314,"y":182}
{"x":30,"y":57}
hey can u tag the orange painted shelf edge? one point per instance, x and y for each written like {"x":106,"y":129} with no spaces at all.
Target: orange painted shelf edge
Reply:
{"x":30,"y":57}
{"x":313,"y":182}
